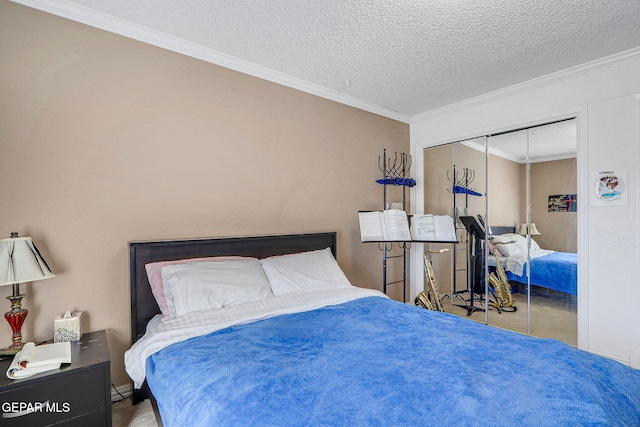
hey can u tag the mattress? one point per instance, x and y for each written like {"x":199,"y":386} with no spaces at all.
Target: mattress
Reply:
{"x":557,"y":271}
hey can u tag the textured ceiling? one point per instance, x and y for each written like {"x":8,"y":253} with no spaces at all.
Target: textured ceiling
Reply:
{"x":406,"y":57}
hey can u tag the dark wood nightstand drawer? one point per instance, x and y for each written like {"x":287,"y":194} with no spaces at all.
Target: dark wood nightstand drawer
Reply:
{"x":78,"y":394}
{"x":66,"y":398}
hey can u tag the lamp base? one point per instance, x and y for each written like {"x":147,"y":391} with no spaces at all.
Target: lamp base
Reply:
{"x":15,"y":317}
{"x":9,"y":351}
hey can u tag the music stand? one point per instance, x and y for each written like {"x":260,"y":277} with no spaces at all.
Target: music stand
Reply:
{"x":473,"y":226}
{"x":477,"y":233}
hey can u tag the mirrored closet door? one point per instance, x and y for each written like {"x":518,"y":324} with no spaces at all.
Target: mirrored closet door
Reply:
{"x":455,"y":184}
{"x":523,"y":183}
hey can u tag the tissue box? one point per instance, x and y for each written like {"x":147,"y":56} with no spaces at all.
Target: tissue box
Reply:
{"x":67,"y":328}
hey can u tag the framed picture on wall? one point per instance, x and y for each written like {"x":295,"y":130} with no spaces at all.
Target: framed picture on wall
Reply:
{"x":608,"y":188}
{"x":563,"y":203}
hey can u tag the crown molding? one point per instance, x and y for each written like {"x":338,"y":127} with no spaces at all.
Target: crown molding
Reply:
{"x":572,"y":72}
{"x":92,"y":18}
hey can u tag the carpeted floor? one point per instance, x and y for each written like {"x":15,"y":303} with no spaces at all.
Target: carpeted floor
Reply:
{"x":553,"y":315}
{"x":124,"y":414}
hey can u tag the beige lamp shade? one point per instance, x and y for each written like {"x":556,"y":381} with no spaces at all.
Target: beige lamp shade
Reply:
{"x":20,"y":262}
{"x":534,"y":229}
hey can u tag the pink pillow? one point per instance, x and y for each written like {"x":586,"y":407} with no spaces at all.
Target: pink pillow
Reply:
{"x":154,"y":274}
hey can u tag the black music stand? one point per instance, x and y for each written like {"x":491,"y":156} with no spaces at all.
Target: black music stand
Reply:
{"x":476,"y":260}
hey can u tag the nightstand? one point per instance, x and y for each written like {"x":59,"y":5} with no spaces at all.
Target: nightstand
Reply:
{"x":77,"y":394}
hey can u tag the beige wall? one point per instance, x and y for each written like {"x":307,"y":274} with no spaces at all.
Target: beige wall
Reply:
{"x":506,"y":191}
{"x":559,"y":230}
{"x":106,"y":140}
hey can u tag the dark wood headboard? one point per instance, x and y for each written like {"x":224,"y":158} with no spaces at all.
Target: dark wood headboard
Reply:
{"x":143,"y":304}
{"x":502,"y":229}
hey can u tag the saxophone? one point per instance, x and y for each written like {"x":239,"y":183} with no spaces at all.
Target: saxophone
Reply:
{"x":501,"y":286}
{"x":429,"y":298}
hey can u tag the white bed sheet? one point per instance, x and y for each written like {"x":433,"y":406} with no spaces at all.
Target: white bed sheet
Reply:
{"x":204,"y":322}
{"x":516,"y":262}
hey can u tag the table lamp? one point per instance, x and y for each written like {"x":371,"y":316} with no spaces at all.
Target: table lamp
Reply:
{"x":533,"y":230}
{"x":20,"y":262}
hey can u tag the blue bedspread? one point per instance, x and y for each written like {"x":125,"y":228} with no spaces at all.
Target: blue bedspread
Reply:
{"x":557,"y":271}
{"x":378,"y":362}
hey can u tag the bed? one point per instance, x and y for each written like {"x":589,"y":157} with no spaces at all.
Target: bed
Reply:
{"x":557,"y":271}
{"x":335,"y":354}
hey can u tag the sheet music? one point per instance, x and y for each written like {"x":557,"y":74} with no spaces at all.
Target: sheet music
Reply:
{"x":434,"y":228}
{"x":388,"y":225}
{"x":397,"y":225}
{"x":371,"y":226}
{"x":424,"y":227}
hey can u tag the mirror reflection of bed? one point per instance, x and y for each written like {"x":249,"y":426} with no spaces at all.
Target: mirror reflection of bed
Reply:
{"x":553,"y":290}
{"x":553,"y":279}
{"x":548,"y":270}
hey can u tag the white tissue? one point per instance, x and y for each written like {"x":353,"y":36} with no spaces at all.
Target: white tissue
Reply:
{"x":67,"y":327}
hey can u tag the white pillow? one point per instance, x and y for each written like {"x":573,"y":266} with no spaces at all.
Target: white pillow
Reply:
{"x":499,"y":238}
{"x":534,"y":245}
{"x":510,"y":243}
{"x":208,"y":285}
{"x":154,"y":274}
{"x":303,"y":270}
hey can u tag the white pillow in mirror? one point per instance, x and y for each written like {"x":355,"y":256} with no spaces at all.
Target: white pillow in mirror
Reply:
{"x":511,"y":243}
{"x":303,"y":270}
{"x":508,"y":244}
{"x":534,"y":245}
{"x":208,"y":285}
